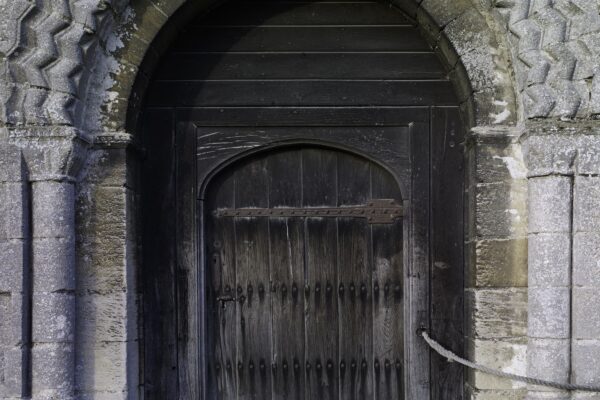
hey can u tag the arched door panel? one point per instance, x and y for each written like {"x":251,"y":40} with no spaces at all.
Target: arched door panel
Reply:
{"x":305,"y":305}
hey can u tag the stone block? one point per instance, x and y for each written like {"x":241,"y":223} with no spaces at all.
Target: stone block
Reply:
{"x":108,"y":167}
{"x":505,"y":355}
{"x":103,"y":317}
{"x":586,"y":204}
{"x":588,"y":155}
{"x":496,"y":313}
{"x":107,"y":215}
{"x":53,"y":264}
{"x":53,"y":209}
{"x":586,"y":313}
{"x":111,"y":395}
{"x":499,"y":162}
{"x":586,"y":362}
{"x":547,"y":395}
{"x":11,"y":265}
{"x":102,"y":265}
{"x":5,"y":322}
{"x":550,"y":154}
{"x":11,"y":372}
{"x":549,"y":259}
{"x":12,"y":165}
{"x":477,"y":394}
{"x":53,"y":317}
{"x":550,"y":204}
{"x":497,"y":263}
{"x":549,"y":312}
{"x":501,"y":210}
{"x":11,"y":324}
{"x":102,"y":366}
{"x":548,"y":359}
{"x":580,"y":395}
{"x":586,"y":259}
{"x":52,"y":370}
{"x":13,"y":209}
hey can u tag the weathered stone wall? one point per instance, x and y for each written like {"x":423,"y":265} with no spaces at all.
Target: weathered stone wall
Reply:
{"x":15,"y":273}
{"x":107,"y":363}
{"x":496,"y":276}
{"x":67,"y":181}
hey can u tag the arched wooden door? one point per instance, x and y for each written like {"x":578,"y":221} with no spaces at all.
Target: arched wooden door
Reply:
{"x":281,"y":105}
{"x":305,"y":248}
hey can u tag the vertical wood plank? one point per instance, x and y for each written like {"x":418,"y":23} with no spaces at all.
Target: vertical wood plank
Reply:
{"x":220,"y":261}
{"x":159,"y":253}
{"x":388,"y":295}
{"x":187,"y":272}
{"x":286,"y":237}
{"x":417,"y":278}
{"x":447,"y":249}
{"x":253,"y":283}
{"x":354,"y":277}
{"x":319,"y":189}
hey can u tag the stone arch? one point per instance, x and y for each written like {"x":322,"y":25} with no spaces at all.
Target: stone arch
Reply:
{"x":464,"y":36}
{"x":75,"y":62}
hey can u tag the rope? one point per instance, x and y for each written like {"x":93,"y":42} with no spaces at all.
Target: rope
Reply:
{"x":534,"y":381}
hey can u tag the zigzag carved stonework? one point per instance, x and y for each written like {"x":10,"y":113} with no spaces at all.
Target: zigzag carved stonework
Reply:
{"x":556,"y":54}
{"x":48,"y":50}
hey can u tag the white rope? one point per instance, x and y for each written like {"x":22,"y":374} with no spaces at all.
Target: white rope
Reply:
{"x":534,"y":381}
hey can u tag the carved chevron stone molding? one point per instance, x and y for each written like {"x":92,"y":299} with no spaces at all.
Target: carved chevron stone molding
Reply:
{"x":555,"y":47}
{"x":48,"y":50}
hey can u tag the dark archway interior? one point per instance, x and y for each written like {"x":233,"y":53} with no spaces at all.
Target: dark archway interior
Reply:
{"x":249,"y":66}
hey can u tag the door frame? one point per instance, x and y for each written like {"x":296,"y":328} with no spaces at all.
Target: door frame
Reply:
{"x":423,"y":382}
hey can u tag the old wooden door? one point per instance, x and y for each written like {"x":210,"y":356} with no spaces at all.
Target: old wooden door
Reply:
{"x":281,"y":106}
{"x":306,"y":252}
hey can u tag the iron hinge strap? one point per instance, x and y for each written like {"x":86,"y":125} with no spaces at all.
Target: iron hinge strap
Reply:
{"x":376,"y":211}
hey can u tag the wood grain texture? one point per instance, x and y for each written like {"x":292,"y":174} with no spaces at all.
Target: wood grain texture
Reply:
{"x":388,"y":291}
{"x":301,"y":65}
{"x":354,"y":276}
{"x":158,"y":227}
{"x":253,"y":328}
{"x":286,"y":93}
{"x":252,"y":75}
{"x":248,"y":13}
{"x":447,"y":285}
{"x":286,"y":236}
{"x":301,"y":38}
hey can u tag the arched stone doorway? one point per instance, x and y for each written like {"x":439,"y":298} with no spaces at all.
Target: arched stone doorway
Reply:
{"x":247,"y":77}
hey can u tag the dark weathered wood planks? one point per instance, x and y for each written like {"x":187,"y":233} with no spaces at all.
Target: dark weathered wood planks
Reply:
{"x":253,"y":280}
{"x":354,"y":276}
{"x":447,"y":259}
{"x":286,"y":237}
{"x":301,"y":65}
{"x":281,"y":67}
{"x":388,"y":295}
{"x":269,"y":93}
{"x":302,"y":38}
{"x":250,"y":13}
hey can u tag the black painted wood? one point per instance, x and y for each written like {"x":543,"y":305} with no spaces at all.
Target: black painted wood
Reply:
{"x":301,"y":65}
{"x":301,"y":38}
{"x":303,"y":13}
{"x":355,"y":76}
{"x":447,"y":258}
{"x":287,"y":93}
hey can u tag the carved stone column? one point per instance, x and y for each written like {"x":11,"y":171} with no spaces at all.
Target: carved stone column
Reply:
{"x":564,"y":331}
{"x":53,"y":157}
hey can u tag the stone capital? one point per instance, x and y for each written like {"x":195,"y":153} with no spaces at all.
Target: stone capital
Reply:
{"x":51,"y":153}
{"x":562,"y":148}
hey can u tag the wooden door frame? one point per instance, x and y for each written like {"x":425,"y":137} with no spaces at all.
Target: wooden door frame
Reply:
{"x":192,"y":303}
{"x":416,"y":264}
